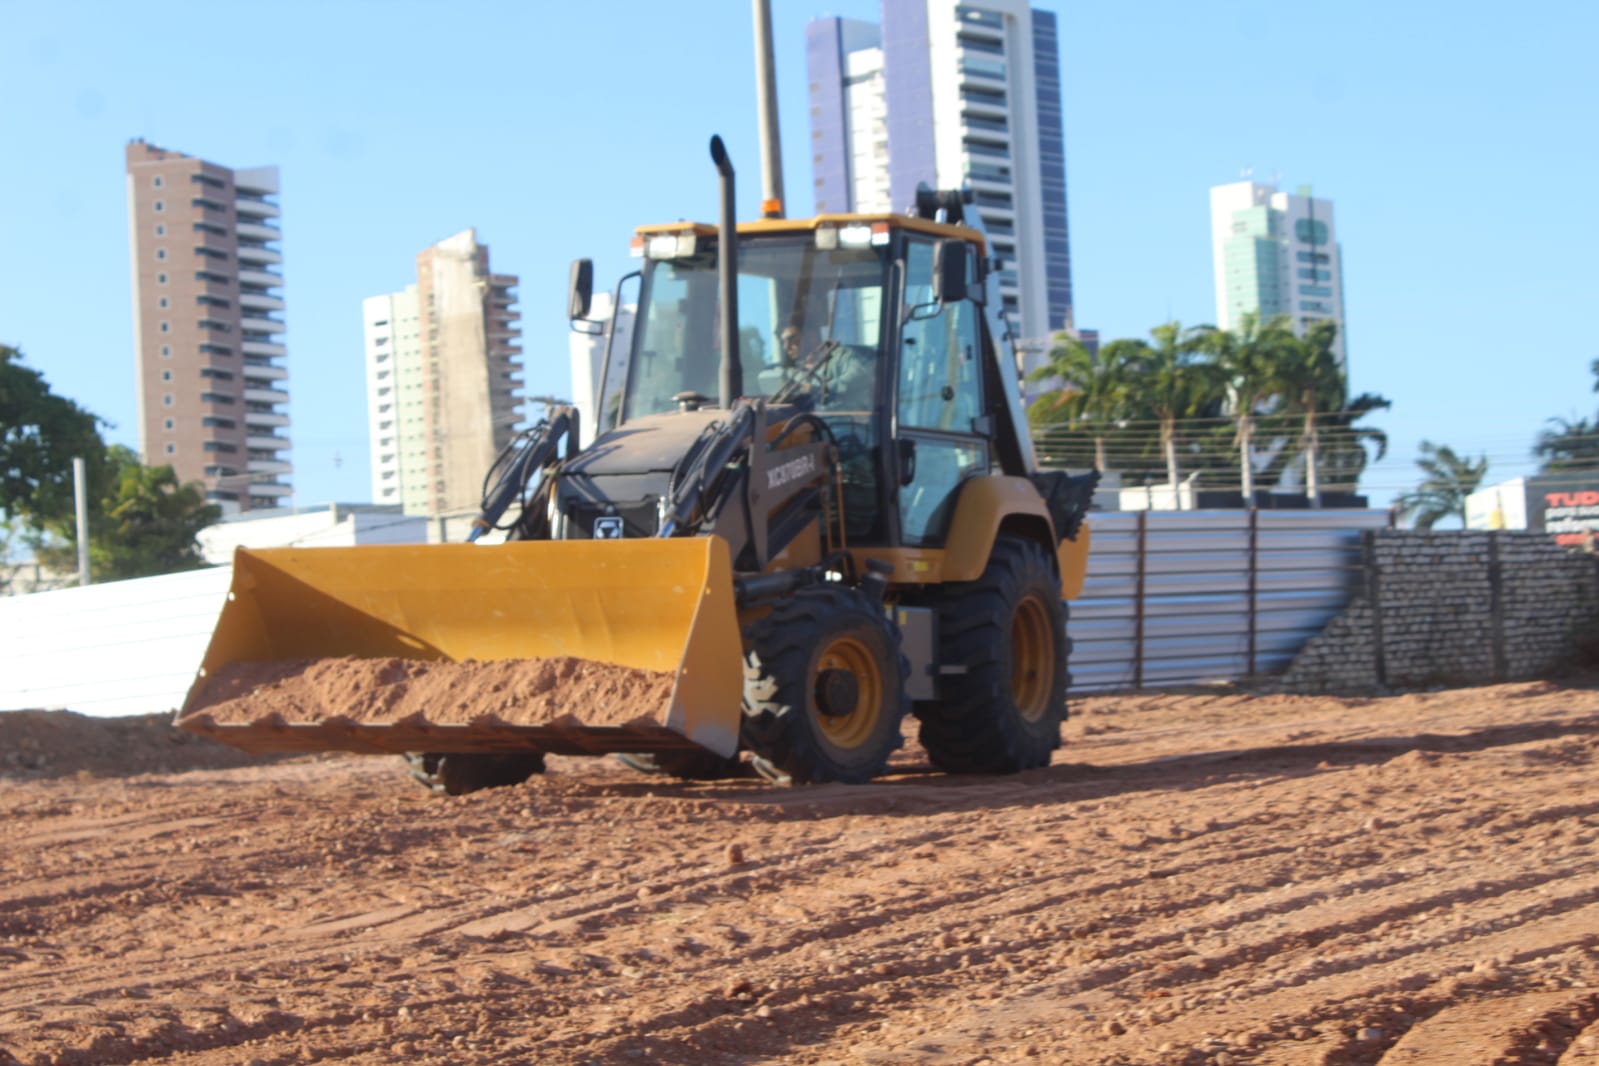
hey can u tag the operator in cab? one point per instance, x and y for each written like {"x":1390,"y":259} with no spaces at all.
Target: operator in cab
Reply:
{"x":840,"y":377}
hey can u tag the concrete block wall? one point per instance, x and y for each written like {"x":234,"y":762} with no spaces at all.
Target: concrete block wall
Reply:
{"x":1341,"y":658}
{"x":1554,"y":591}
{"x":1452,"y":608}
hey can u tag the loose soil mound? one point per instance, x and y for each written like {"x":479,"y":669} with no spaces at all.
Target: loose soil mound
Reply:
{"x":61,"y":743}
{"x":1199,"y":878}
{"x":518,"y":691}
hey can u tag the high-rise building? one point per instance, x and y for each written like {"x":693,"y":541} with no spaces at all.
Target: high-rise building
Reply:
{"x":443,"y":374}
{"x":951,"y":94}
{"x":393,"y":332}
{"x":208,"y":325}
{"x":1275,"y":253}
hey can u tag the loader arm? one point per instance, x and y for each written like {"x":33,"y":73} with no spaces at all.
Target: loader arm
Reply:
{"x":730,"y":485}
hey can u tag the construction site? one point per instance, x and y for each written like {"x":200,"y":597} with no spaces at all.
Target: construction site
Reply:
{"x":916,"y":760}
{"x":783,"y":700}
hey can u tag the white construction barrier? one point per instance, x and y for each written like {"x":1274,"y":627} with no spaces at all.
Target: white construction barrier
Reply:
{"x":125,"y":647}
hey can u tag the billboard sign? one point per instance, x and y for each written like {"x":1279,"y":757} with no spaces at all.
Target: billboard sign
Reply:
{"x":1570,"y":512}
{"x":1563,"y":505}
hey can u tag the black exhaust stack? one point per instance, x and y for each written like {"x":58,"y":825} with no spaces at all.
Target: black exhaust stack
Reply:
{"x":730,"y":382}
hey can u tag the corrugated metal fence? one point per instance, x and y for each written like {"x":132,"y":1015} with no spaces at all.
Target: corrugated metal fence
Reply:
{"x":1175,"y":597}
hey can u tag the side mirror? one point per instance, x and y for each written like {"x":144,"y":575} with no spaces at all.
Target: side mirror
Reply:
{"x":580,"y":289}
{"x":950,"y":259}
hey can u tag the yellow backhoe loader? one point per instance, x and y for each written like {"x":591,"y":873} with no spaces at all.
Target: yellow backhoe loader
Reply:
{"x":810,"y":507}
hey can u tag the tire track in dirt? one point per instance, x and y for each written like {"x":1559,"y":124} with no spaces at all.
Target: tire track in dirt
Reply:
{"x":1449,"y":898}
{"x":1527,"y":1028}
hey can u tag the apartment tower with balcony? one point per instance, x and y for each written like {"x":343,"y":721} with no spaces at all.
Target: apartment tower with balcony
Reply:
{"x":953,"y":94}
{"x":210,"y":374}
{"x":444,"y":364}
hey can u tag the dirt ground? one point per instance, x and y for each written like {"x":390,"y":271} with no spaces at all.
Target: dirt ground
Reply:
{"x":1208,"y":877}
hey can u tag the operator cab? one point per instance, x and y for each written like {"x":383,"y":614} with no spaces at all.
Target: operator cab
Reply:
{"x":810,"y":320}
{"x":873,"y":323}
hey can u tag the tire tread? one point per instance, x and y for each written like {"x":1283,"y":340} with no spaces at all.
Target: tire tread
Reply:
{"x":776,"y":723}
{"x":973,"y":727}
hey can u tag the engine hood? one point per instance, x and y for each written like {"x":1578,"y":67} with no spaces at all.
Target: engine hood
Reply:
{"x":648,"y":445}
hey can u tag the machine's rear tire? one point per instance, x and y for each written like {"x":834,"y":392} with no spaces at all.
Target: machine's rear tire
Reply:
{"x":1008,"y":629}
{"x":456,"y":774}
{"x":824,"y":687}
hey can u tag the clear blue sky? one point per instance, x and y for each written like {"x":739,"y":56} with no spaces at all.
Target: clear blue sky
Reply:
{"x":1458,"y":141}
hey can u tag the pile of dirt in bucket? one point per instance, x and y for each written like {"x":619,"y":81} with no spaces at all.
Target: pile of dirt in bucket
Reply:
{"x":372,"y":691}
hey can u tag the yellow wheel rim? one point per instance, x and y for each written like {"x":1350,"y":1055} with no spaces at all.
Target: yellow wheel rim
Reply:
{"x":1032,"y":664}
{"x":848,"y":731}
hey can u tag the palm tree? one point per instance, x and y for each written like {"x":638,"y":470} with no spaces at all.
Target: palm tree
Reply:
{"x":1094,"y":393}
{"x":1568,"y":445}
{"x":1310,"y":380}
{"x":1450,"y":478}
{"x":1177,"y":383}
{"x":1248,"y":359}
{"x":1343,"y":444}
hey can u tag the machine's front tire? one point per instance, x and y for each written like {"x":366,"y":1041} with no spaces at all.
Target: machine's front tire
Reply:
{"x":456,"y":774}
{"x":824,"y":687}
{"x":1008,"y":629}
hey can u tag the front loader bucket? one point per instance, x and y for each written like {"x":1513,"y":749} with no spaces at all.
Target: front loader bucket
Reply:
{"x":469,"y":648}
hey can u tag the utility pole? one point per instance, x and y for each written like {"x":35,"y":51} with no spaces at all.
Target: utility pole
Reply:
{"x":766,"y":96}
{"x":80,"y":498}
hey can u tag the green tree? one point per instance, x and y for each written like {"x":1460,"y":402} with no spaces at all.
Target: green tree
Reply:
{"x":1178,"y":382}
{"x":40,"y":434}
{"x":1094,"y":393}
{"x":1239,"y":406}
{"x":1569,"y":444}
{"x":1311,"y":382}
{"x":1248,"y":360}
{"x":8,"y":537}
{"x":1343,"y":455}
{"x":1449,"y":479}
{"x":144,"y":523}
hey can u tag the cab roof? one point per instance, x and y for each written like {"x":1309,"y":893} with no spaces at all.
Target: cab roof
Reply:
{"x":810,"y":225}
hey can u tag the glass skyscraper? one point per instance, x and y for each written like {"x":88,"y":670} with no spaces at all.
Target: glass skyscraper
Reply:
{"x":1276,"y":253}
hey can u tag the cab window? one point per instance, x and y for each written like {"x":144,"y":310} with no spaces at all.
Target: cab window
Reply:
{"x":939,"y":383}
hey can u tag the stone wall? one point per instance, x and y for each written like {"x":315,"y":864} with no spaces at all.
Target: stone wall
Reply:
{"x":1440,"y":608}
